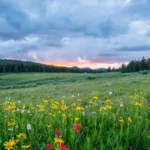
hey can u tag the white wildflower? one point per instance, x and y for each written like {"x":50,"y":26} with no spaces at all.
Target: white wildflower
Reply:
{"x":22,"y":111}
{"x":121,"y":105}
{"x":28,"y":111}
{"x":83,"y":113}
{"x":93,"y":113}
{"x":110,"y":93}
{"x":18,"y":109}
{"x":28,"y":126}
{"x":86,"y":107}
{"x":10,"y":129}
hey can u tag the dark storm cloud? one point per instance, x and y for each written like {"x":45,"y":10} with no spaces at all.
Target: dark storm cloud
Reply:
{"x":70,"y":30}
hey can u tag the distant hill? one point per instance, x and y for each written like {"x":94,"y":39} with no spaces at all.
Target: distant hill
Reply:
{"x":28,"y":66}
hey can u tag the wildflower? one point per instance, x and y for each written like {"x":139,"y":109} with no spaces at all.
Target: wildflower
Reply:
{"x":121,"y":121}
{"x":64,"y":116}
{"x":110,"y":93}
{"x":45,"y":101}
{"x":93,"y":113}
{"x":57,"y":132}
{"x":9,"y":145}
{"x":64,"y":148}
{"x":62,"y":144}
{"x":48,"y":147}
{"x":10,"y":129}
{"x":22,"y":111}
{"x":58,"y":140}
{"x":11,"y":124}
{"x":79,"y":108}
{"x":129,"y":119}
{"x":49,"y":126}
{"x":21,"y":135}
{"x":77,"y":127}
{"x":86,"y":107}
{"x":108,"y":101}
{"x":138,"y":104}
{"x":76,"y":119}
{"x":108,"y":107}
{"x":83,"y":113}
{"x":28,"y":126}
{"x":74,"y":104}
{"x":121,"y":105}
{"x":26,"y":146}
{"x":102,"y":108}
{"x":95,"y":97}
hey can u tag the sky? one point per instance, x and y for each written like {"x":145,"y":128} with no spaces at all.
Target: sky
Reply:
{"x":84,"y":33}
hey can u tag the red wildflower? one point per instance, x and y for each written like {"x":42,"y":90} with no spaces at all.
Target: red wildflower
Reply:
{"x":64,"y":148}
{"x":77,"y":127}
{"x":48,"y":147}
{"x":62,"y":144}
{"x":57,"y":132}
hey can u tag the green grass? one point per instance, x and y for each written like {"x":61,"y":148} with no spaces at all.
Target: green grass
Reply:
{"x":57,"y":85}
{"x":101,"y":128}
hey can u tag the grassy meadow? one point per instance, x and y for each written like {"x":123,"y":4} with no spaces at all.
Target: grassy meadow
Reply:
{"x":65,"y":111}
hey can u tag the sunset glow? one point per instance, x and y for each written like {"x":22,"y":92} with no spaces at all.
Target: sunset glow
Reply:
{"x":94,"y":65}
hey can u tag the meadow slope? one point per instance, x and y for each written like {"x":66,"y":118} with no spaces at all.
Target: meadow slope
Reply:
{"x":75,"y":111}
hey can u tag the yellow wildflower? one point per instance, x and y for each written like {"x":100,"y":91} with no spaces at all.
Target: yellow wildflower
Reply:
{"x":76,"y":119}
{"x":129,"y":119}
{"x":13,"y":111}
{"x":58,"y":140}
{"x":21,"y":135}
{"x":64,"y":116}
{"x":54,"y":106}
{"x":41,"y":110}
{"x":95,"y":97}
{"x":92,"y":103}
{"x":108,"y":101}
{"x":57,"y":103}
{"x":79,"y":108}
{"x":9,"y":145}
{"x":108,"y":107}
{"x":79,"y":100}
{"x":121,"y":121}
{"x":74,"y":104}
{"x":64,"y":108}
{"x":49,"y":126}
{"x":45,"y":101}
{"x":102,"y":108}
{"x":11,"y":124}
{"x":26,"y":146}
{"x":138,"y":104}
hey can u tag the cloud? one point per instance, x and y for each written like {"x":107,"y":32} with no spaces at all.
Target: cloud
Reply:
{"x":91,"y":32}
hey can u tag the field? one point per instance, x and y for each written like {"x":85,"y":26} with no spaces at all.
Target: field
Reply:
{"x":107,"y":111}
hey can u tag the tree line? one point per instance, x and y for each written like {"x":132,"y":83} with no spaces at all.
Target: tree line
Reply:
{"x":16,"y":66}
{"x":136,"y":65}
